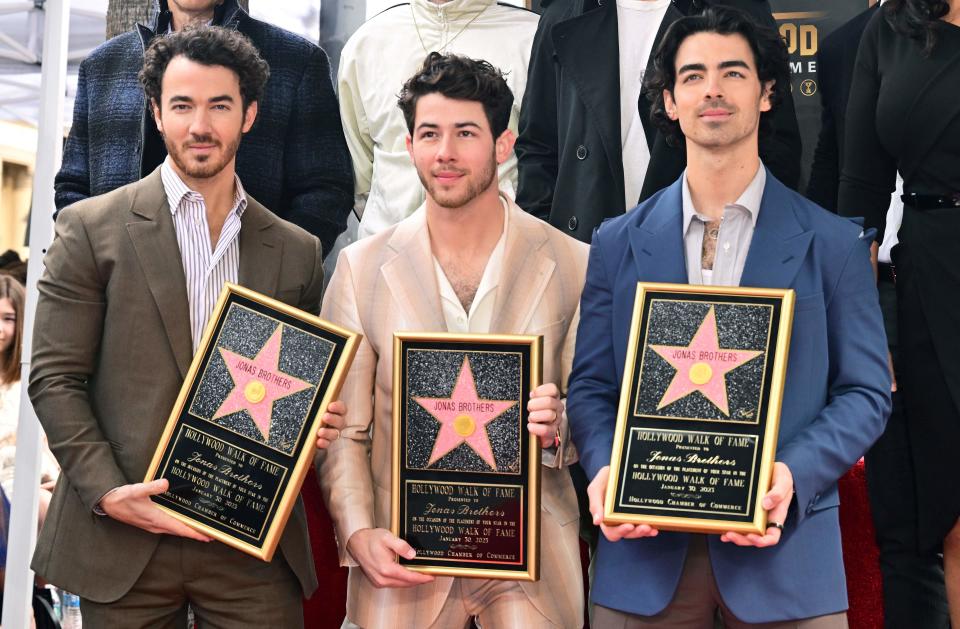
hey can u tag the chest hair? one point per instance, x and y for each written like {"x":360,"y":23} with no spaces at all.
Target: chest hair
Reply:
{"x":464,"y":277}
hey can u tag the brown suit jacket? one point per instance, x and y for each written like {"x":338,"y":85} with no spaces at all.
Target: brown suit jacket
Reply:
{"x":111,"y":347}
{"x":386,"y":283}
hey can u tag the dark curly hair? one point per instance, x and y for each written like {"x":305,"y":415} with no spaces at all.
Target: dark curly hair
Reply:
{"x":917,"y":19}
{"x":459,"y":78}
{"x":209,"y":46}
{"x":769,"y":52}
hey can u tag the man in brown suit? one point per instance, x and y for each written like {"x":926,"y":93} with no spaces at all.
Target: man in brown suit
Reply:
{"x":130,"y":282}
{"x":469,"y":260}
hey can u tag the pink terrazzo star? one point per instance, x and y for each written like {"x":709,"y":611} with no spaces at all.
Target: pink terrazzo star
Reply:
{"x":258,"y":383}
{"x":702,"y":365}
{"x":463,"y":418}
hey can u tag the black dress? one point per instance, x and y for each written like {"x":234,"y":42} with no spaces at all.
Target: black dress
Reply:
{"x":904,"y":114}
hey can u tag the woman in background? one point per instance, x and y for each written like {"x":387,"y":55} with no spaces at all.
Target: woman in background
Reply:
{"x":11,"y":346}
{"x":904,"y":115}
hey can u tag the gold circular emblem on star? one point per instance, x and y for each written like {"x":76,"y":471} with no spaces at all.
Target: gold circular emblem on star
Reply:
{"x":464,"y":425}
{"x":808,"y":87}
{"x":700,"y":373}
{"x":254,"y":391}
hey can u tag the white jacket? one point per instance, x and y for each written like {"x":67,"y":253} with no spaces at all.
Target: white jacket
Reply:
{"x":379,"y":58}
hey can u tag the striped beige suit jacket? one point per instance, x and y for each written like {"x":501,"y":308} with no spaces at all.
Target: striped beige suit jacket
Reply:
{"x":387,"y":283}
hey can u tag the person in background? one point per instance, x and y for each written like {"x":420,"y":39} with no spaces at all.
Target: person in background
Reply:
{"x":387,"y":50}
{"x":903,"y":116}
{"x":588,"y":149}
{"x":11,"y":347}
{"x":913,"y":584}
{"x":728,"y":221}
{"x":294,"y":160}
{"x":11,"y":264}
{"x":835,"y":64}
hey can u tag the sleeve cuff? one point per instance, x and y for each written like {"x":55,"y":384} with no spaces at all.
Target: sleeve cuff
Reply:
{"x":97,"y":509}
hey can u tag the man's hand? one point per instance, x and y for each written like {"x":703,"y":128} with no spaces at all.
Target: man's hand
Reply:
{"x":131,"y":505}
{"x":376,"y":551}
{"x":545,"y":409}
{"x":333,"y":422}
{"x":776,"y":502}
{"x":596,"y":491}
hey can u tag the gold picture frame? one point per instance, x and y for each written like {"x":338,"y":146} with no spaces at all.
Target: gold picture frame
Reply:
{"x":494,"y":533}
{"x":240,"y":438}
{"x":715,"y":450}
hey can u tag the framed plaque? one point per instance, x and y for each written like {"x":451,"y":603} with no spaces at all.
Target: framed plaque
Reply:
{"x":699,"y":408}
{"x":466,"y":470}
{"x":241,"y":436}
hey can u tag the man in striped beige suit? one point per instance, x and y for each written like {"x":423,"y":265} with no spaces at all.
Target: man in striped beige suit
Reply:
{"x":130,"y":283}
{"x":469,"y":260}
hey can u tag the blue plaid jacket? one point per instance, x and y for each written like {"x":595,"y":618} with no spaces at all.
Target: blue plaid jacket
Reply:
{"x":294,"y":160}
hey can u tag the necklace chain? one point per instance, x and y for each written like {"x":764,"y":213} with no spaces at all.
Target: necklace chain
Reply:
{"x":416,"y":25}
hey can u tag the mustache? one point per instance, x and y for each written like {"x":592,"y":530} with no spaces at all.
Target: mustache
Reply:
{"x":717,"y":105}
{"x":447,"y":170}
{"x":201,"y":139}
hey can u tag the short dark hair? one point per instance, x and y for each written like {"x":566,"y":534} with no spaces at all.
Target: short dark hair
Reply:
{"x":209,"y":46}
{"x":459,"y":78}
{"x":769,"y":52}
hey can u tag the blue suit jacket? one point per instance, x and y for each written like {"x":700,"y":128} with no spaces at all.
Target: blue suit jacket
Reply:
{"x":836,"y":398}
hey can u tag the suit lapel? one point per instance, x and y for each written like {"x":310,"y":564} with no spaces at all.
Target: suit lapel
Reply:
{"x":260,"y":252}
{"x":657,"y":241}
{"x":411,"y":277}
{"x":155,"y":243}
{"x":525,"y":275}
{"x":779,"y":243}
{"x":589,"y":52}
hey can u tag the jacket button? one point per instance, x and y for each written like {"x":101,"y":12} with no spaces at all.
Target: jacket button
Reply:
{"x":572,"y":223}
{"x":581,"y":152}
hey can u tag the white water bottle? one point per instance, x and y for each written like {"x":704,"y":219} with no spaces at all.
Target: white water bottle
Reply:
{"x":71,"y":612}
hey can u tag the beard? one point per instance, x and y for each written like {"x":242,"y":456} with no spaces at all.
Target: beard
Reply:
{"x":202,"y":166}
{"x":476,"y":184}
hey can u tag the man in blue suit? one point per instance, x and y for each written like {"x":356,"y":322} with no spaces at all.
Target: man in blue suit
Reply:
{"x":728,"y":221}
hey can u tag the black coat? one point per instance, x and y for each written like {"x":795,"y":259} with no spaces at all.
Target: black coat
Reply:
{"x":569,"y":149}
{"x":835,"y":62}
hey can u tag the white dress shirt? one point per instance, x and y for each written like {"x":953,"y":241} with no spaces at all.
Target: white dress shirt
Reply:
{"x":206,"y":269}
{"x":478,"y":320}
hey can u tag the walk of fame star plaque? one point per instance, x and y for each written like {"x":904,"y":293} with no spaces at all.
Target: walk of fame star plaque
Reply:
{"x":465,"y":469}
{"x":241,"y":436}
{"x":699,"y":408}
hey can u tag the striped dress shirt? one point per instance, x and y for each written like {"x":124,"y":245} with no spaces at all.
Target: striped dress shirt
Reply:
{"x":206,"y":268}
